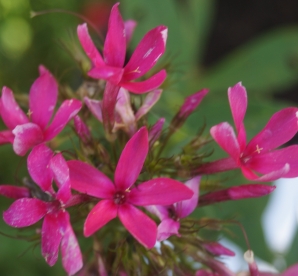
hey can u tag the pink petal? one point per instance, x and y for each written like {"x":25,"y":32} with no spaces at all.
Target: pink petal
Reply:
{"x":275,"y":160}
{"x":142,"y":228}
{"x":70,"y":249}
{"x":95,"y":108}
{"x":25,"y":212}
{"x":150,"y":100}
{"x":109,"y":73}
{"x":291,"y":271}
{"x":65,"y":113}
{"x":129,"y":26}
{"x":42,"y":98}
{"x":124,"y":109}
{"x":145,"y":86}
{"x":131,"y":160}
{"x":11,"y":113}
{"x":152,"y":192}
{"x":238,"y":103}
{"x":89,"y":46}
{"x":115,"y":43}
{"x":38,"y":166}
{"x":51,"y":236}
{"x":14,"y":191}
{"x":6,"y":136}
{"x":147,"y":53}
{"x":216,"y":248}
{"x":186,"y":207}
{"x":191,"y":103}
{"x":100,"y":215}
{"x":26,"y":136}
{"x":224,"y":135}
{"x":160,"y":211}
{"x":280,"y":129}
{"x":60,"y":172}
{"x":86,"y":179}
{"x":167,"y":228}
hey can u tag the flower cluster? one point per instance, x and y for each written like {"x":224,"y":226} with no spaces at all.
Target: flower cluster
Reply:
{"x":121,"y":188}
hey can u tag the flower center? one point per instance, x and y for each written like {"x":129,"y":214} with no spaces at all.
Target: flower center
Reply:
{"x":119,"y":198}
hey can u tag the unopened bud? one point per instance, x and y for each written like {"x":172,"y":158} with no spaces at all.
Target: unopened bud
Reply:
{"x":81,"y":129}
{"x":155,"y":131}
{"x":217,"y":249}
{"x":249,"y":258}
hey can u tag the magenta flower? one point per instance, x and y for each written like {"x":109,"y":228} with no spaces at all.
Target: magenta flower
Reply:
{"x":56,"y":228}
{"x":111,"y":67}
{"x":26,"y":132}
{"x":125,"y":118}
{"x":119,"y":198}
{"x":171,"y":215}
{"x":258,"y":156}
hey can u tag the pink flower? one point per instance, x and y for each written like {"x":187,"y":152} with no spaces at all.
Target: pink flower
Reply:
{"x":171,"y":215}
{"x":125,"y":118}
{"x":56,"y":228}
{"x":258,"y":156}
{"x":111,"y":67}
{"x":26,"y":132}
{"x":119,"y":198}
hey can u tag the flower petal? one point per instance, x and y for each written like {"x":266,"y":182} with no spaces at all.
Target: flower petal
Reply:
{"x":167,"y":228}
{"x":95,"y":107}
{"x":67,"y":110}
{"x":60,"y":172}
{"x":12,"y":115}
{"x":224,"y":135}
{"x":272,"y":161}
{"x":38,"y":166}
{"x":138,"y":224}
{"x":147,"y":53}
{"x":14,"y":191}
{"x":109,"y":73}
{"x":291,"y":271}
{"x":51,"y":236}
{"x":186,"y":207}
{"x":100,"y":215}
{"x":216,"y":248}
{"x":25,"y":212}
{"x":115,"y":43}
{"x":150,"y":100}
{"x":131,"y":160}
{"x":281,"y":127}
{"x":88,"y":180}
{"x":238,"y":103}
{"x":89,"y":46}
{"x":159,"y":191}
{"x":145,"y":86}
{"x":26,"y":136}
{"x":129,"y":26}
{"x":42,"y":98}
{"x":6,"y":136}
{"x":70,"y":249}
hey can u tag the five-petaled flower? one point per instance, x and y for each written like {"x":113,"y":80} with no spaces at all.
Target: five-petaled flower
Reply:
{"x":56,"y":230}
{"x":111,"y":67}
{"x":26,"y":132}
{"x":119,"y":198}
{"x":258,"y":156}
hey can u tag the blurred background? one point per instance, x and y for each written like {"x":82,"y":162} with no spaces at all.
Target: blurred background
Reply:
{"x":212,"y":44}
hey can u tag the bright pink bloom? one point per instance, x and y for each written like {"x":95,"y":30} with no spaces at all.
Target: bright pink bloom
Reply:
{"x":120,"y":197}
{"x":26,"y":132}
{"x":258,"y":156}
{"x":125,"y":118}
{"x":171,"y":215}
{"x":236,"y":193}
{"x":111,"y":67}
{"x":56,"y":228}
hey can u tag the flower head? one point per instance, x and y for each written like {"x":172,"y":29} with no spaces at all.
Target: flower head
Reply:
{"x":121,"y":197}
{"x":26,"y":132}
{"x":56,"y":228}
